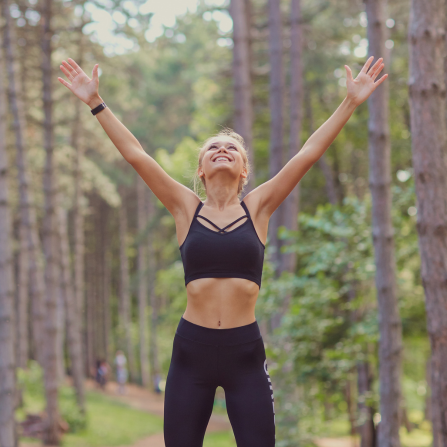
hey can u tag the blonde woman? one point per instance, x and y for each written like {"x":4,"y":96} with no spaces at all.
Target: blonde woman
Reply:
{"x":221,"y":241}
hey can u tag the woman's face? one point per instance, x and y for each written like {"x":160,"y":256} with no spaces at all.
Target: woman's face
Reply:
{"x":222,"y":156}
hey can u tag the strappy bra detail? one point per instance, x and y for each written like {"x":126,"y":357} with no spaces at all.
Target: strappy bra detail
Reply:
{"x":206,"y":254}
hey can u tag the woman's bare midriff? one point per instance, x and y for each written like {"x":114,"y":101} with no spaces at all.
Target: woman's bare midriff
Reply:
{"x":221,"y":303}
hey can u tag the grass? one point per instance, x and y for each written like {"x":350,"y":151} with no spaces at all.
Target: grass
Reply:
{"x":109,"y":422}
{"x":219,"y":439}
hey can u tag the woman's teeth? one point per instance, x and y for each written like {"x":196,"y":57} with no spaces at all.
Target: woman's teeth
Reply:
{"x":222,"y":158}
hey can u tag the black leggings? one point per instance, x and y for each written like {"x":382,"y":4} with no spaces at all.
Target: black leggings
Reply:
{"x":205,"y":358}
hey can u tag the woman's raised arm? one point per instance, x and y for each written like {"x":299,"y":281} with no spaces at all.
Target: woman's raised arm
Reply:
{"x":271,"y":194}
{"x":171,"y":193}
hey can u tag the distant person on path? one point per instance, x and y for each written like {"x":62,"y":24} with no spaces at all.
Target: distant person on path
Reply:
{"x":218,"y":341}
{"x":121,"y":371}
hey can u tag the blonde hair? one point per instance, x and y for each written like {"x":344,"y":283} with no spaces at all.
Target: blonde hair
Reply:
{"x":229,"y":133}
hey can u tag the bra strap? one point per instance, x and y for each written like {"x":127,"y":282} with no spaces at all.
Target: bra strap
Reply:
{"x":245,"y":208}
{"x":199,"y":207}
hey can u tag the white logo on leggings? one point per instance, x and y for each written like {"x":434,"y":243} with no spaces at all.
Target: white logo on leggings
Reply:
{"x":273,"y":400}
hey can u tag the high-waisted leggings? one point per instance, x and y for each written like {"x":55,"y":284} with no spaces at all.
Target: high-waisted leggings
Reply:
{"x":205,"y":358}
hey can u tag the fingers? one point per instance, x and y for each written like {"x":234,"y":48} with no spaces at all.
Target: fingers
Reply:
{"x":66,"y":72}
{"x":367,"y":64}
{"x":380,"y":80}
{"x":349,"y":72}
{"x":375,"y":69}
{"x":64,"y":82}
{"x":75,"y":65}
{"x":72,"y":72}
{"x":95,"y":72}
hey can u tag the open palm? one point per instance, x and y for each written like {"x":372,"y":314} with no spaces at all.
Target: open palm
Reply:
{"x":360,"y":88}
{"x":81,"y":85}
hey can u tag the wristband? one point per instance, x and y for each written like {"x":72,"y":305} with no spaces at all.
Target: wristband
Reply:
{"x":97,"y":109}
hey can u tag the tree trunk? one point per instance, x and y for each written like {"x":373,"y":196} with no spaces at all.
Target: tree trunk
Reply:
{"x":51,"y":433}
{"x":22,"y":299}
{"x":291,"y":204}
{"x":125,"y":298}
{"x":427,"y":111}
{"x":276,"y":132}
{"x":142,"y":215}
{"x":243,"y":101}
{"x":276,"y":118}
{"x":152,"y":267}
{"x":7,"y":363}
{"x":27,"y":211}
{"x":331,"y":188}
{"x":72,"y":315}
{"x":78,"y":212}
{"x":390,"y":344}
{"x":366,"y":413}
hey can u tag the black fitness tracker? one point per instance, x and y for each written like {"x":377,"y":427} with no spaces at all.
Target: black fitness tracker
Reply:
{"x":97,"y":109}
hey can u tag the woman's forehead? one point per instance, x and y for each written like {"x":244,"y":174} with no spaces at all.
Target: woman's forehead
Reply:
{"x":224,"y":140}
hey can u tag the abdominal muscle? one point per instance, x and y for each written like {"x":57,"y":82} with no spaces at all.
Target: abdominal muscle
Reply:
{"x":221,"y":303}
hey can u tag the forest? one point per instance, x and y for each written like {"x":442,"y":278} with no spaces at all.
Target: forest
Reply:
{"x":353,"y":303}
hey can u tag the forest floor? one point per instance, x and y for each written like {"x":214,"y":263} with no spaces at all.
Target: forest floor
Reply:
{"x":150,"y":402}
{"x":146,"y":400}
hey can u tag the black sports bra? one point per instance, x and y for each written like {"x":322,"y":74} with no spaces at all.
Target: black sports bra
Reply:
{"x":237,"y":253}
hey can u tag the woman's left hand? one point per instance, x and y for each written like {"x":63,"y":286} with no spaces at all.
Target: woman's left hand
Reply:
{"x":360,"y":88}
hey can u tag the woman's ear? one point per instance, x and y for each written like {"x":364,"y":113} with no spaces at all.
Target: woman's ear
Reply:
{"x":244,"y":173}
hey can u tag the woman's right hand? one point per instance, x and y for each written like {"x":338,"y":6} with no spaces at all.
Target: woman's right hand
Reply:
{"x":82,"y":86}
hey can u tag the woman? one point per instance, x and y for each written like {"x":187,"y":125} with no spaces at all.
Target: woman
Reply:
{"x":222,"y":241}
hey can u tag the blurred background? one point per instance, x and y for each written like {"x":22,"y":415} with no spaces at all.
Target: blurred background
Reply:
{"x":91,"y":280}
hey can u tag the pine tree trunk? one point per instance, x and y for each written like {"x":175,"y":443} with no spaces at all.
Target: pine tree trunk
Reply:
{"x":276,"y":118}
{"x":154,"y":305}
{"x":74,"y":340}
{"x":276,"y":133}
{"x":7,"y":363}
{"x":390,"y":344}
{"x":22,"y":299}
{"x":51,"y":433}
{"x":243,"y":100}
{"x":291,"y":204}
{"x":427,"y":92}
{"x":366,"y":413}
{"x":78,"y":212}
{"x":142,"y":192}
{"x":27,"y":211}
{"x":125,"y":298}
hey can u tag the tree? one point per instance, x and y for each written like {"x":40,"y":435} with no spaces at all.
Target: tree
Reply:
{"x":276,"y":128}
{"x":51,"y":433}
{"x":242,"y":79}
{"x":74,"y":340}
{"x":7,"y":363}
{"x":142,"y":278}
{"x":28,"y":219}
{"x":390,"y":343}
{"x":427,"y":92}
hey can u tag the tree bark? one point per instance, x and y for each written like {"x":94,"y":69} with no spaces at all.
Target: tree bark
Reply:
{"x":142,"y":215}
{"x":74,"y":340}
{"x":26,"y":205}
{"x":276,"y":133}
{"x":22,"y":299}
{"x":154,"y":305}
{"x":276,"y":118}
{"x":427,"y":111}
{"x":390,"y":327}
{"x":51,"y":432}
{"x":291,"y":204}
{"x":7,"y":357}
{"x":366,"y":413}
{"x":243,"y":96}
{"x":125,"y":298}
